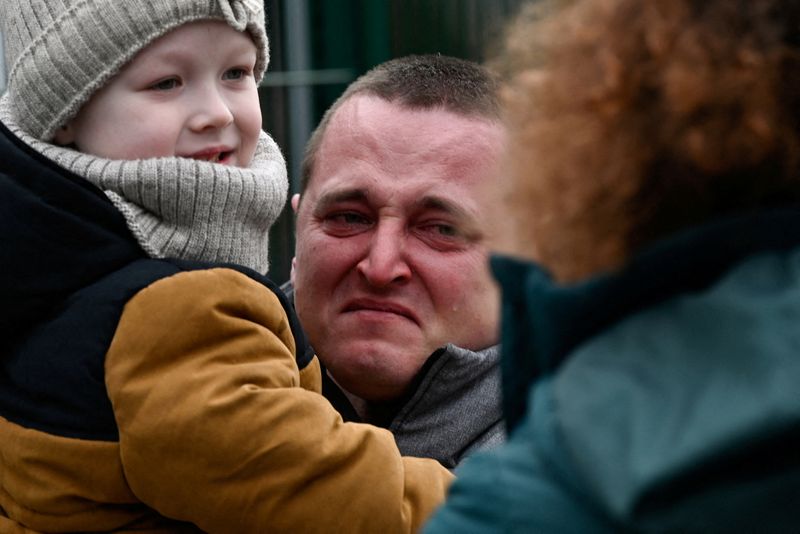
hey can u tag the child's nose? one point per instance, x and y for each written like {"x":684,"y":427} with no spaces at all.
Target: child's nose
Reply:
{"x":210,"y":110}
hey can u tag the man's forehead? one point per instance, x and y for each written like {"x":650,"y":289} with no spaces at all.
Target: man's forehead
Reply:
{"x":436,"y":160}
{"x":368,"y":118}
{"x":373,"y":137}
{"x":431,"y":200}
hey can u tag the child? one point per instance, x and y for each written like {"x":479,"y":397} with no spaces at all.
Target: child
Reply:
{"x":151,"y":378}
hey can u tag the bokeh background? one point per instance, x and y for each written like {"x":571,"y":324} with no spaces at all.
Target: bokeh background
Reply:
{"x":320,"y":46}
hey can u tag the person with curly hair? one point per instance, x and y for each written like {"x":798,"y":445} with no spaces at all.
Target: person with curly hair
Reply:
{"x":651,"y":283}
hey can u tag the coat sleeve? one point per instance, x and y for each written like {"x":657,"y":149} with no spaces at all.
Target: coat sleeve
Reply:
{"x":216,"y":429}
{"x":519,"y":487}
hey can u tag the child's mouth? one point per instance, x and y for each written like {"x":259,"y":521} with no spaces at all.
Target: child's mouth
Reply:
{"x":213,"y":156}
{"x":219,"y":157}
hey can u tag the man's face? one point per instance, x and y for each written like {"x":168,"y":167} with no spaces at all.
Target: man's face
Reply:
{"x":190,"y":93}
{"x":391,"y":262}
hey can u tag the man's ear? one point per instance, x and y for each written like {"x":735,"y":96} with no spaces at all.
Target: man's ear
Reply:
{"x":65,"y":135}
{"x":295,"y":203}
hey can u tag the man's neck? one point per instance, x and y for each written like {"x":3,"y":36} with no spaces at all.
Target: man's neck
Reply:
{"x":378,"y":413}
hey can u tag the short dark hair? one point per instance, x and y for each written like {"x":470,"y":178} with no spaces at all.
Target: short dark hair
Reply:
{"x":417,"y":82}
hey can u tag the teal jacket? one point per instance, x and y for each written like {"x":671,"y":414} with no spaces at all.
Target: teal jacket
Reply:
{"x":661,"y":398}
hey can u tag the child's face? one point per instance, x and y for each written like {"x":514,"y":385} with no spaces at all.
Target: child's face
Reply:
{"x":190,"y":93}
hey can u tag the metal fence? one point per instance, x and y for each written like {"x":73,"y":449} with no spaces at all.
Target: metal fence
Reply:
{"x":464,"y":28}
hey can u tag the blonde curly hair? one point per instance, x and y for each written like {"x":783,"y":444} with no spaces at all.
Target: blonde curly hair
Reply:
{"x":632,"y":119}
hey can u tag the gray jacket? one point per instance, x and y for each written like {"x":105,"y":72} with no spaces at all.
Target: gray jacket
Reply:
{"x":453,"y":409}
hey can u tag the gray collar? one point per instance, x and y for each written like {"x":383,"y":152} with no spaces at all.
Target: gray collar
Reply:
{"x":456,"y":407}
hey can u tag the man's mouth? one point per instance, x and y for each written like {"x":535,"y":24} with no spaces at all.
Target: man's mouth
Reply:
{"x":369,"y":305}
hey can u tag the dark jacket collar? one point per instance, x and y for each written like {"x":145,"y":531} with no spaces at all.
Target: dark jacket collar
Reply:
{"x":59,"y":233}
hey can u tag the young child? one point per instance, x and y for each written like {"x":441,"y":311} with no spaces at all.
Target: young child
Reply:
{"x":151,"y":378}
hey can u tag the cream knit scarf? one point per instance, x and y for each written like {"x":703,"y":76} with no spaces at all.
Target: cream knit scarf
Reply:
{"x":184,"y":208}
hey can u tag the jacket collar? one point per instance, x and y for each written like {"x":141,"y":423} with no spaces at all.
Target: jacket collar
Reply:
{"x":59,"y":233}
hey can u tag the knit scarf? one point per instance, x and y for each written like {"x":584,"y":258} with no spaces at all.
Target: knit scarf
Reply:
{"x":185,"y":208}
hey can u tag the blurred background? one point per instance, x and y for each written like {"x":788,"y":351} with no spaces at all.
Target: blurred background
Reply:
{"x":319,"y":46}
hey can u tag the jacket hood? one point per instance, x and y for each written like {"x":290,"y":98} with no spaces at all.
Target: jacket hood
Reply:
{"x":667,"y":391}
{"x":59,"y":233}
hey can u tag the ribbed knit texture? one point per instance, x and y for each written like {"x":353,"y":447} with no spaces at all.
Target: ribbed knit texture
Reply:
{"x":184,"y":208}
{"x":59,"y":52}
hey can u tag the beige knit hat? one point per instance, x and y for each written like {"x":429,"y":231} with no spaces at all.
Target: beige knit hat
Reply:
{"x":60,"y":52}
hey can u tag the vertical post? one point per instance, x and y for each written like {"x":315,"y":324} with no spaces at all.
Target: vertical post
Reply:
{"x":297,"y":45}
{"x":377,"y":32}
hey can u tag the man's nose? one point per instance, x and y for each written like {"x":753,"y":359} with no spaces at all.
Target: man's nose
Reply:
{"x":210,"y":110}
{"x":385,"y":261}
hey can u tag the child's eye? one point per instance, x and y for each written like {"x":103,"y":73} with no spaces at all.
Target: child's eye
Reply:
{"x":235,"y":74}
{"x":167,"y":84}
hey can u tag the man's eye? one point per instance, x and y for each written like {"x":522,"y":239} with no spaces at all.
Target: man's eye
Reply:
{"x":346,"y":223}
{"x":167,"y":84}
{"x":442,"y":236}
{"x":348,"y":218}
{"x":441,"y":230}
{"x":446,"y":230}
{"x":235,"y":74}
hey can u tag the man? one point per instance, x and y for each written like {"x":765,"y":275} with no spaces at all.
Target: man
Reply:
{"x":390,"y":275}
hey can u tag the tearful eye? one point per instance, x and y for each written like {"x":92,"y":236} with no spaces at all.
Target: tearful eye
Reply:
{"x":446,"y":230}
{"x":440,"y":230}
{"x":354,"y":218}
{"x":348,"y":218}
{"x":442,"y":236}
{"x":346,"y":223}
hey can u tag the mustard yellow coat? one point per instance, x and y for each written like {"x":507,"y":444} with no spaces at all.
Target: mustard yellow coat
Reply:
{"x":218,"y":427}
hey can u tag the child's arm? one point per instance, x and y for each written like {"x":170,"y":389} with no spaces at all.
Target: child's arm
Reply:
{"x":216,"y":429}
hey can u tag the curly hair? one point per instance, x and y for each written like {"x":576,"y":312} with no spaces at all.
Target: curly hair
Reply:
{"x":632,"y":119}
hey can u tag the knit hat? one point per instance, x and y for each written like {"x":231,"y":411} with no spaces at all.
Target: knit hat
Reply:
{"x":60,"y":52}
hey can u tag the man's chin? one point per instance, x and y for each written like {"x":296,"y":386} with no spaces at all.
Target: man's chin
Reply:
{"x":374,"y":369}
{"x":371,"y":340}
